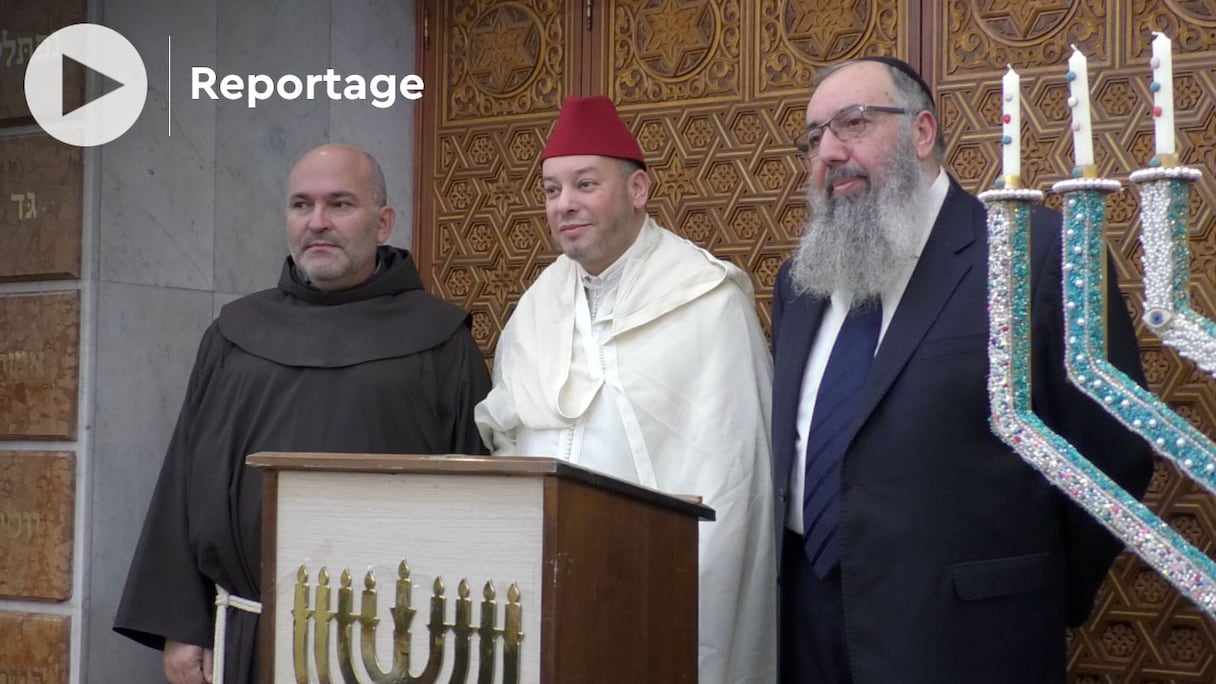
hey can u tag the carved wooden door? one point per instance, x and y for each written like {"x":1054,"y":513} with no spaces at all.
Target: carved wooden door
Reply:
{"x":715,"y":90}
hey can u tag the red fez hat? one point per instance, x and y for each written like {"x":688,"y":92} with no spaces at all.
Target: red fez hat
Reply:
{"x":590,"y":125}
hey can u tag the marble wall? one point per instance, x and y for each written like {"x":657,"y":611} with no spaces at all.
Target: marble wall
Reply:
{"x":185,"y":214}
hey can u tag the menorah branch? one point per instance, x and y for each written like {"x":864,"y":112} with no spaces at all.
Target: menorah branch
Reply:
{"x":312,"y":615}
{"x":1015,"y":423}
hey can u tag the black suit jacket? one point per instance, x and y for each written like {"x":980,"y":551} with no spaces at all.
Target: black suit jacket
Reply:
{"x":959,"y":561}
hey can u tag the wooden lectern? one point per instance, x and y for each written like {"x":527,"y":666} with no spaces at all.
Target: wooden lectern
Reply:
{"x":570,"y":576}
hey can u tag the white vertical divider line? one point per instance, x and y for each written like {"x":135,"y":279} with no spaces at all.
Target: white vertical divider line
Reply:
{"x":169,"y":78}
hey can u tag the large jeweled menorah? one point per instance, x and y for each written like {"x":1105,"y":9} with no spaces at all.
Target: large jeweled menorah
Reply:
{"x":1164,"y":189}
{"x":315,"y":620}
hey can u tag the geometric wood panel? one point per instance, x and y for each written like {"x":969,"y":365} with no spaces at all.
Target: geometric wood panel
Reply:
{"x":37,"y":496}
{"x":39,"y":360}
{"x":1141,"y":629}
{"x":23,"y":26}
{"x":35,"y":648}
{"x":507,"y":58}
{"x":40,"y":208}
{"x":714,"y":91}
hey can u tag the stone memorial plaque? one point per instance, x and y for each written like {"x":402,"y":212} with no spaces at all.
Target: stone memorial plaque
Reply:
{"x":23,"y":26}
{"x":37,"y":504}
{"x":41,"y":186}
{"x":39,"y":363}
{"x":35,"y":648}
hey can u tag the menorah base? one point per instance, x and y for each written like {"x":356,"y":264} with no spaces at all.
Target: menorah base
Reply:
{"x":604,"y":572}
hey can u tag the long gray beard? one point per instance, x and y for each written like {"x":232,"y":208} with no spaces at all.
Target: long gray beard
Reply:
{"x":859,"y":244}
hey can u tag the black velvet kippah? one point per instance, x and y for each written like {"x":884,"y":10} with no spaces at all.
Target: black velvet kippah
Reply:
{"x":902,"y":66}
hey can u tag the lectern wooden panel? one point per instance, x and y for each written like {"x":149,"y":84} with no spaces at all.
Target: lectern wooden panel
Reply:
{"x":601,"y":575}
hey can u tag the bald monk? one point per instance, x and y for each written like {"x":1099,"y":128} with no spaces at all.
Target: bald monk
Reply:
{"x":346,"y":354}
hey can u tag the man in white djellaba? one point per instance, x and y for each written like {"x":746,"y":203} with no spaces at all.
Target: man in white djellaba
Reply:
{"x":639,"y":355}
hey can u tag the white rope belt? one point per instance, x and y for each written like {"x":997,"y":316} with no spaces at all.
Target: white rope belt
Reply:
{"x":224,"y":601}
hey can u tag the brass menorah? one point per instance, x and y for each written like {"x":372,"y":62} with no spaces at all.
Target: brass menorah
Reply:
{"x":318,"y":616}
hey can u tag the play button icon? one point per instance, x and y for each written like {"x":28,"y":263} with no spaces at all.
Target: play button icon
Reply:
{"x":107,"y":84}
{"x":114,"y":65}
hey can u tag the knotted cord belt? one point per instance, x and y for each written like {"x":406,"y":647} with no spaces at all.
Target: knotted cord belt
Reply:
{"x":224,"y":601}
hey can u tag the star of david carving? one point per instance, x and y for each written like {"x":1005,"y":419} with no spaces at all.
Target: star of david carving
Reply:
{"x":501,"y":49}
{"x":501,"y":193}
{"x":673,"y":33}
{"x":1027,"y":17}
{"x":828,"y":22}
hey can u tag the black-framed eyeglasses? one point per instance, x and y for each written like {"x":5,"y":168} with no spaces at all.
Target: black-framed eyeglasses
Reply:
{"x":847,"y":125}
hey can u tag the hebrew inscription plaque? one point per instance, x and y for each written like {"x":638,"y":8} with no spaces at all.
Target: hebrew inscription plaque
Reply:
{"x":34,"y":648}
{"x":23,"y":26}
{"x":37,"y":496}
{"x":39,"y":363}
{"x":40,"y":208}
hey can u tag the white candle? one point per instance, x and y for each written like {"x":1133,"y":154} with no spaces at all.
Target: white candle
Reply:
{"x":1163,"y":94}
{"x":1011,"y":123}
{"x":1078,"y":89}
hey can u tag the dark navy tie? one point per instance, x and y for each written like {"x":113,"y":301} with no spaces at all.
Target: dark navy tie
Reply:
{"x":836,"y":407}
